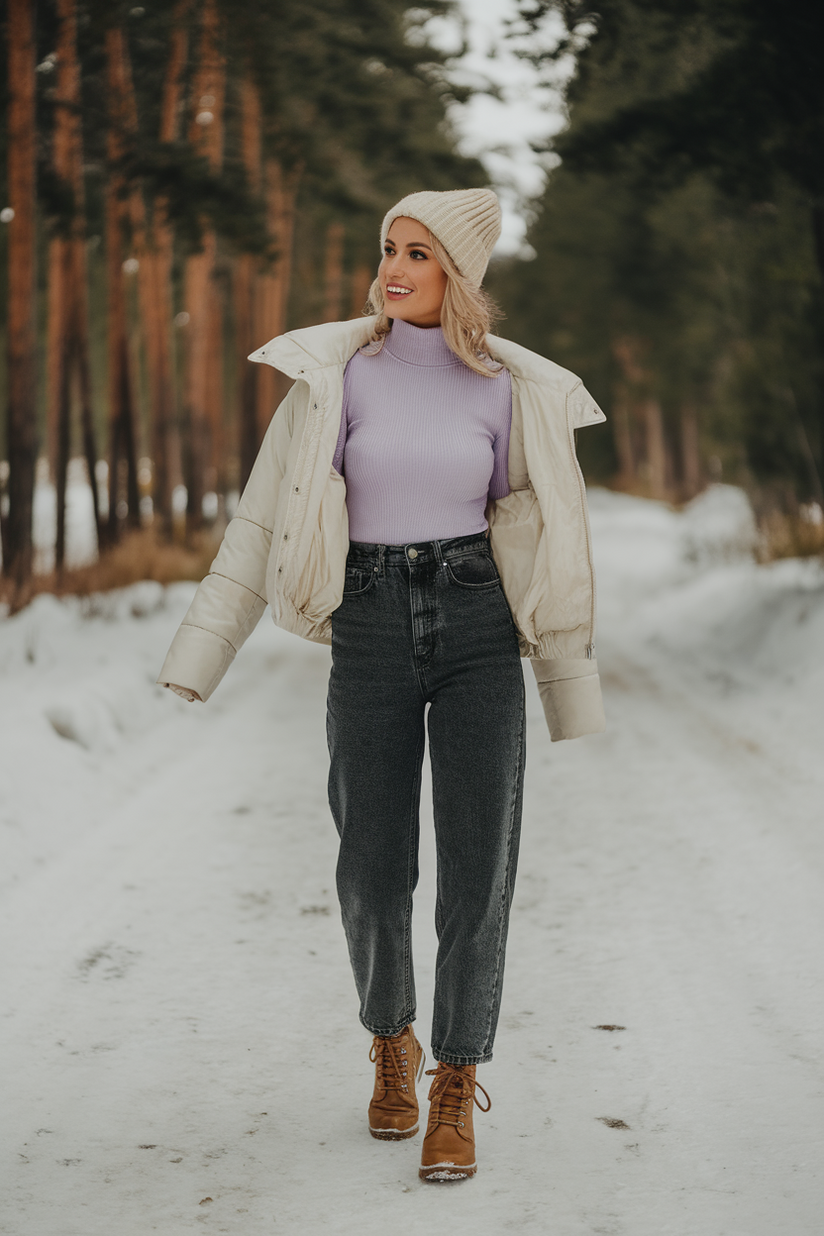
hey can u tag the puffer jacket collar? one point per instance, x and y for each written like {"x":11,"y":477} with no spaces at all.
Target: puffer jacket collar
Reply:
{"x":301,"y":352}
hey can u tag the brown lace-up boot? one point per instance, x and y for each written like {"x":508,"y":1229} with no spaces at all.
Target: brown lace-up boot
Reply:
{"x":399,"y":1061}
{"x":449,"y":1144}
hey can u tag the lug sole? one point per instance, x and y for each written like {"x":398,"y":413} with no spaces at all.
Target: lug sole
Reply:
{"x":393,"y":1135}
{"x":442,"y":1173}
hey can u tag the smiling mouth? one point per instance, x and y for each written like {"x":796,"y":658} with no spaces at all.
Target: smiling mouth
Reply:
{"x":394,"y":289}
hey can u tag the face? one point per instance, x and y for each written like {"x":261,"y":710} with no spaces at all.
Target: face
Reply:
{"x":412,"y":280}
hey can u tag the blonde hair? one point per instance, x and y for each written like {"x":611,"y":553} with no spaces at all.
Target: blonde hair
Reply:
{"x":468,"y":314}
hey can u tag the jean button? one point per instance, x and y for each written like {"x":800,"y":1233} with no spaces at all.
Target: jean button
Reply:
{"x":413,"y":553}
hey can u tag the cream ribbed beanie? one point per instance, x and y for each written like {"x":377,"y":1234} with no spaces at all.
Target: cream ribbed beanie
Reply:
{"x":467,"y":222}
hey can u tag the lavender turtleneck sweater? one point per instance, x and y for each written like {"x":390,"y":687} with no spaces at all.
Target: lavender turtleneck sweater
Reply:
{"x":424,"y":440}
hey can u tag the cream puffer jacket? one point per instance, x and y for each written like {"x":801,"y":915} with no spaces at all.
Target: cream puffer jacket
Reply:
{"x":288,"y":542}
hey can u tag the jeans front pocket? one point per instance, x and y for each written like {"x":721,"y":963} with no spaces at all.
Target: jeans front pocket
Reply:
{"x":358,"y":579}
{"x":475,"y":570}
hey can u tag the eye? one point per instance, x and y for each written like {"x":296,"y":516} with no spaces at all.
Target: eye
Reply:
{"x":388,"y":250}
{"x":417,"y":253}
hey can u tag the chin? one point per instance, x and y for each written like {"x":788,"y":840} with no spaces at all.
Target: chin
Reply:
{"x":406,"y":313}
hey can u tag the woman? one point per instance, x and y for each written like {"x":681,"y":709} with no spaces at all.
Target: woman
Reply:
{"x":412,"y":448}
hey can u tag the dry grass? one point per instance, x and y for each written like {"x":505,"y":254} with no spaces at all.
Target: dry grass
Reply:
{"x":139,"y":555}
{"x":789,"y":535}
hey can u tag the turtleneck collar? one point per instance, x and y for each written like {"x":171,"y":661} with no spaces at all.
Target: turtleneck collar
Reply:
{"x":418,"y":345}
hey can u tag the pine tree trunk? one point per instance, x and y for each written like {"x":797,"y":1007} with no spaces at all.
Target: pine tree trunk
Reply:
{"x":22,"y":295}
{"x":63,"y":443}
{"x":196,"y":426}
{"x":161,"y":258}
{"x":244,"y":286}
{"x":122,"y":445}
{"x":68,"y":334}
{"x":87,"y":429}
{"x":146,"y":290}
{"x":690,"y":451}
{"x":333,"y":272}
{"x":245,"y":276}
{"x":818,"y":241}
{"x":281,"y":191}
{"x":622,"y":437}
{"x":214,"y":403}
{"x":203,"y":357}
{"x":56,"y":318}
{"x":362,"y":278}
{"x":656,"y":448}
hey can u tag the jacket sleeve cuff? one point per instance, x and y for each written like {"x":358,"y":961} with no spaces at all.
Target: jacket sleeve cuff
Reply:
{"x":197,"y":659}
{"x":570,"y":692}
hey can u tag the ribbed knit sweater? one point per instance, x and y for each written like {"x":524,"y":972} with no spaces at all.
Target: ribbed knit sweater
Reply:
{"x":424,"y":440}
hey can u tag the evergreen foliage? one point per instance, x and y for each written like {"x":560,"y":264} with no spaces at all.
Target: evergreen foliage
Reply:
{"x":679,"y":238}
{"x":216,"y":222}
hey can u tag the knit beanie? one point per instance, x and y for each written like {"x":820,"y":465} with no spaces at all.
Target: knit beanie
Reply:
{"x":467,"y":222}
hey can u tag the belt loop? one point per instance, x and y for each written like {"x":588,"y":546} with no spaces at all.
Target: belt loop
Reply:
{"x":381,"y":553}
{"x":439,"y":558}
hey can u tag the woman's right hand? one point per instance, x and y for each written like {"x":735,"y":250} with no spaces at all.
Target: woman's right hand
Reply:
{"x":183,"y":692}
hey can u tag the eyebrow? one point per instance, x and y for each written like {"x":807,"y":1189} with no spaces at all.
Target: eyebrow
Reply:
{"x":413,"y":244}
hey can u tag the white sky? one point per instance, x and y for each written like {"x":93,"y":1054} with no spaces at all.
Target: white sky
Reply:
{"x":499,"y":131}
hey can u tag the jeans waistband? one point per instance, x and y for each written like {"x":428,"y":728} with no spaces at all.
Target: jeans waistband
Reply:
{"x":418,"y":553}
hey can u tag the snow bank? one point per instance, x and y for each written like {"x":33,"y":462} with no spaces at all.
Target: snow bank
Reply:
{"x":718,"y":526}
{"x":682,"y":596}
{"x":79,"y":702}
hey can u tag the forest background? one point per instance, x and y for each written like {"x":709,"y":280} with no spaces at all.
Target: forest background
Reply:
{"x":181,"y":182}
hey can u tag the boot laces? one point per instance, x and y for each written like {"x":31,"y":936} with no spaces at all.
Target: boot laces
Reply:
{"x":391,"y":1061}
{"x":452,"y":1092}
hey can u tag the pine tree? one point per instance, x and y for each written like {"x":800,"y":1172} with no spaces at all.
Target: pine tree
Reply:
{"x":68,"y":327}
{"x":124,"y":501}
{"x":22,"y":340}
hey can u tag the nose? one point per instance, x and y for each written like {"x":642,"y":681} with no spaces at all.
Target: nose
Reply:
{"x":394,"y":266}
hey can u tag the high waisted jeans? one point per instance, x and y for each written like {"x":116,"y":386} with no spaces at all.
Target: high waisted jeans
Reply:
{"x":427,"y":624}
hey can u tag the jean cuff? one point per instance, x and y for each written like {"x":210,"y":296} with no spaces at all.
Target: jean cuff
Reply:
{"x":446,"y":1057}
{"x":393,"y":1031}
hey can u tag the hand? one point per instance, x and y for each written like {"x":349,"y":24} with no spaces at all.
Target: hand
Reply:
{"x":183,"y":692}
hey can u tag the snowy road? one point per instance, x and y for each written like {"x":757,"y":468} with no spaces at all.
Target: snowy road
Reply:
{"x":180,"y":1047}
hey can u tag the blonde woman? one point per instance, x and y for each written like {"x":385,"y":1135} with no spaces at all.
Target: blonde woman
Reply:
{"x":417,"y":503}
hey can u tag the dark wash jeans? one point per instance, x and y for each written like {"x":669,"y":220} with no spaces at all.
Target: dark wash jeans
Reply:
{"x":427,"y":624}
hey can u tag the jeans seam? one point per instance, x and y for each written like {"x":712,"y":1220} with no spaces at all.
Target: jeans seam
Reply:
{"x":505,"y":889}
{"x":412,"y":852}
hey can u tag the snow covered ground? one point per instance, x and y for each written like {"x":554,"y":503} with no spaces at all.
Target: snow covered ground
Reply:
{"x":180,"y":1045}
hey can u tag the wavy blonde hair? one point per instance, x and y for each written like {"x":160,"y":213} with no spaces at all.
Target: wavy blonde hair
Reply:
{"x":468,"y":314}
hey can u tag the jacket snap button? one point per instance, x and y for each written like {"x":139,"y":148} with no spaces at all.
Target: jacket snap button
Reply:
{"x":413,"y":553}
{"x":286,"y":536}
